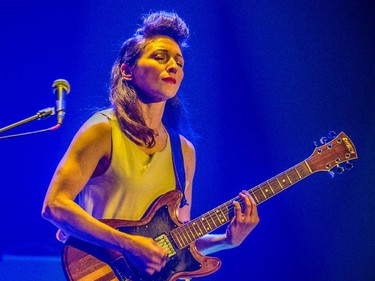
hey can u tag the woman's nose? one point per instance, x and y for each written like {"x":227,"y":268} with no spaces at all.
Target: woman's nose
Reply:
{"x":172,"y":66}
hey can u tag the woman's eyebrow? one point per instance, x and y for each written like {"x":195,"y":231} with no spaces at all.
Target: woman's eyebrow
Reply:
{"x":167,"y":51}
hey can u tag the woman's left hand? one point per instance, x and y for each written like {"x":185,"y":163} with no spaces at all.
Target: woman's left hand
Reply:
{"x":243,"y":222}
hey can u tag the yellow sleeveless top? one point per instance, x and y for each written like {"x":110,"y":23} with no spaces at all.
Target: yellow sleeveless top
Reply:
{"x":131,"y":183}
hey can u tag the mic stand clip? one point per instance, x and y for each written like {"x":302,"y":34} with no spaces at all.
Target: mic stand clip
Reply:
{"x":42,"y":114}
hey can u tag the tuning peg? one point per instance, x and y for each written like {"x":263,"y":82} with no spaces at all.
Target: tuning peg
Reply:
{"x":348,"y":165}
{"x":339,"y":170}
{"x":331,"y":173}
{"x":323,"y":140}
{"x":331,"y":135}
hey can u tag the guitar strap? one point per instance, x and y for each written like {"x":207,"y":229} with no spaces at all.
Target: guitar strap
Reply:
{"x":178,"y":163}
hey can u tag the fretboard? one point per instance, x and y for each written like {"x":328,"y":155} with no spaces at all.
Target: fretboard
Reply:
{"x":222,"y":214}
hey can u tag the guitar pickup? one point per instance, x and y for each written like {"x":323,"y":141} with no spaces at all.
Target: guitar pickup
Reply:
{"x":164,"y":242}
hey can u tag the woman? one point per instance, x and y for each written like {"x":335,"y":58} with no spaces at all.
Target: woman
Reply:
{"x":120,"y":160}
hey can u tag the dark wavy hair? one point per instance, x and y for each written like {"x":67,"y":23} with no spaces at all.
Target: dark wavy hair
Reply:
{"x":124,"y":97}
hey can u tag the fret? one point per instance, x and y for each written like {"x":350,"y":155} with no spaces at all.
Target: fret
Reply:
{"x":177,"y":238}
{"x":217,"y":217}
{"x":266,"y":190}
{"x":261,"y":189}
{"x":254,"y":196}
{"x":282,"y":181}
{"x":303,"y":170}
{"x":224,"y":212}
{"x":199,"y":233}
{"x":200,"y":226}
{"x":286,"y":173}
{"x":207,"y":228}
{"x":212,"y":220}
{"x":220,"y":217}
{"x":265,"y":187}
{"x":188,"y":232}
{"x":193,"y":232}
{"x":295,"y":168}
{"x":293,"y":175}
{"x":307,"y":166}
{"x":279,"y":183}
{"x":260,"y":193}
{"x":186,"y":242}
{"x":270,"y":187}
{"x":275,"y":185}
{"x":205,"y":225}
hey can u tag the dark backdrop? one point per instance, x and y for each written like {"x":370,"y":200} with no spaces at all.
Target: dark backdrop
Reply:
{"x":263,"y":81}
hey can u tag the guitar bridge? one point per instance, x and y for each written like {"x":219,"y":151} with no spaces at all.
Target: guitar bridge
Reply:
{"x":164,"y":242}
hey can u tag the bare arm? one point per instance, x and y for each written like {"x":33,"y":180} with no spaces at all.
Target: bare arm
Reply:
{"x":88,"y":154}
{"x":189,"y":164}
{"x":239,"y":228}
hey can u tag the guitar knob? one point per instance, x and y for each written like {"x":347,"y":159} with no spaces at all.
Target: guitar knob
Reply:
{"x":348,"y":165}
{"x":339,"y":170}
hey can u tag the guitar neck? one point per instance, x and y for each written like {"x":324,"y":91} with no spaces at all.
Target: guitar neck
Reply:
{"x":222,"y":214}
{"x":279,"y":183}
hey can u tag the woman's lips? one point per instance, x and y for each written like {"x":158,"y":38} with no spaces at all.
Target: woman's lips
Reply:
{"x":170,"y":80}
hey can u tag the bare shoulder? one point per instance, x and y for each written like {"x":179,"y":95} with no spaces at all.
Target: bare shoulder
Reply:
{"x":94,"y":134}
{"x":188,"y":149}
{"x":97,"y":126}
{"x":188,"y":152}
{"x":98,"y":123}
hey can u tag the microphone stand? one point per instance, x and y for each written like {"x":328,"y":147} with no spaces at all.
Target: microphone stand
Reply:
{"x":41,"y":114}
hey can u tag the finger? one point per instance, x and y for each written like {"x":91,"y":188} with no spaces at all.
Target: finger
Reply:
{"x":155,"y":265}
{"x":164,"y":253}
{"x":254,"y":218}
{"x":237,"y":210}
{"x":158,"y":258}
{"x":254,"y":210}
{"x":163,"y":256}
{"x":248,"y":204}
{"x":164,"y":259}
{"x":150,"y":271}
{"x":160,"y":251}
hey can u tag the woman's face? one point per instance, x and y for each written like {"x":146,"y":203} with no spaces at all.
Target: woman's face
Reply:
{"x":158,"y":73}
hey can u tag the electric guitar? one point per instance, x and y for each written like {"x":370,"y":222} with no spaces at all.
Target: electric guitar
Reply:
{"x":83,"y":261}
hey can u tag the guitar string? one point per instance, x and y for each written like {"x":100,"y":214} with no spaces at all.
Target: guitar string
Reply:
{"x":227,"y":208}
{"x":208,"y":222}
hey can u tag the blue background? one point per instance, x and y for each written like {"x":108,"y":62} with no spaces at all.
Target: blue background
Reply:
{"x":263,"y":80}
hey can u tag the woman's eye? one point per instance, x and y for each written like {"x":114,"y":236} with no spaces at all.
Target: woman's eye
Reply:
{"x":161,"y":58}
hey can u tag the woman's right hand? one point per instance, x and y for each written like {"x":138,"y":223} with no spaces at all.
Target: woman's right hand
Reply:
{"x":146,"y":254}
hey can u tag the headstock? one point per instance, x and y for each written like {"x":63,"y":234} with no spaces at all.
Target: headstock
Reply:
{"x":333,"y":151}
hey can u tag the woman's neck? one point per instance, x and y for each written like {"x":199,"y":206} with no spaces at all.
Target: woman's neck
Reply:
{"x":153,"y":114}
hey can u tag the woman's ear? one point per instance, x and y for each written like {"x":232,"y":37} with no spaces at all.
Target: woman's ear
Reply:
{"x":126,"y":72}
